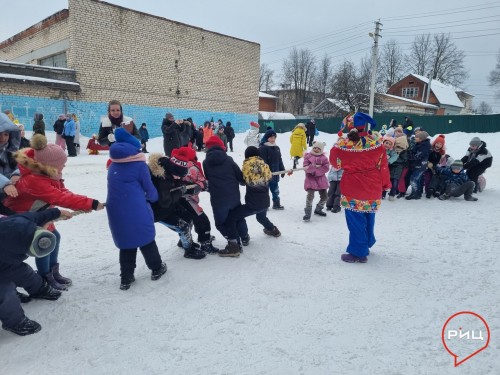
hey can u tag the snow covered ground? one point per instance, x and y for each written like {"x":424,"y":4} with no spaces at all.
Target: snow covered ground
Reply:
{"x":287,"y":305}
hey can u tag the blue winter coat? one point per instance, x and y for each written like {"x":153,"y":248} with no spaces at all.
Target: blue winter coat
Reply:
{"x":452,"y":178}
{"x":69,"y":128}
{"x":144,"y":134}
{"x":224,"y":178}
{"x":130,"y":188}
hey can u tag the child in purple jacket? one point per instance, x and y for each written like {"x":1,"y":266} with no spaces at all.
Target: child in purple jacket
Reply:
{"x":316,"y":166}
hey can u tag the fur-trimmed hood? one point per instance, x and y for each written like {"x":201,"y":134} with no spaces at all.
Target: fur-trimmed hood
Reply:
{"x":154,"y":165}
{"x":25,"y":162}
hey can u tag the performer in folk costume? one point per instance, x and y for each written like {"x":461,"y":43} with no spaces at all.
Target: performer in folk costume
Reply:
{"x":364,"y":161}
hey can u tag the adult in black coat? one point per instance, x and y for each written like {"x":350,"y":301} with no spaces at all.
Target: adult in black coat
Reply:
{"x":476,"y":160}
{"x":176,"y":133}
{"x":22,"y":236}
{"x":224,"y":180}
{"x":310,"y":132}
{"x":229,"y":132}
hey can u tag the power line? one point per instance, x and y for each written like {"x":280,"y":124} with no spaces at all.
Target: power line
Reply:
{"x":312,"y":40}
{"x":443,"y":13}
{"x":444,"y":23}
{"x":454,"y":32}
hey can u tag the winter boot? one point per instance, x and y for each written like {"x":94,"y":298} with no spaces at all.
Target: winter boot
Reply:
{"x":126,"y":281}
{"x":179,"y":243}
{"x":470,"y":198}
{"x":194,"y":252}
{"x":24,"y":298}
{"x":245,"y":240}
{"x":429,"y":193}
{"x":337,"y":209}
{"x":273,"y":232}
{"x":277,"y":205}
{"x":384,"y":194}
{"x":59,"y":278}
{"x":307,"y":215}
{"x":412,"y":196}
{"x":349,"y":258}
{"x":319,"y":212}
{"x":232,"y":249}
{"x":24,"y":327}
{"x":49,"y":277}
{"x":444,"y":197}
{"x":156,"y":274}
{"x":47,"y":292}
{"x":401,"y":195}
{"x":295,"y":162}
{"x":208,"y":248}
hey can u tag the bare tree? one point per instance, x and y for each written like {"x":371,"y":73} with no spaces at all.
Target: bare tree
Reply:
{"x":298,"y":71}
{"x":323,"y":77}
{"x":266,"y":78}
{"x":494,"y":77}
{"x":439,"y":57}
{"x":351,"y":87}
{"x":447,"y":63}
{"x":484,"y":109}
{"x":391,"y":63}
{"x":420,"y":54}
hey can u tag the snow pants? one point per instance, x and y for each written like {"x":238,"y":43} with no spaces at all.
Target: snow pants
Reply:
{"x":361,"y":235}
{"x":128,"y":258}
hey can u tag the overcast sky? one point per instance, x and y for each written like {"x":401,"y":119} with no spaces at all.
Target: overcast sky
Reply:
{"x":337,"y":28}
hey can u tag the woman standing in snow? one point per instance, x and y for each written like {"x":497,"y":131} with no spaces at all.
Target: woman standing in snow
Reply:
{"x":366,"y":175}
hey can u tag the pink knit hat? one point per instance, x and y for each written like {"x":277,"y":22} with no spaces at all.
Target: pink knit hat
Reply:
{"x":48,"y":153}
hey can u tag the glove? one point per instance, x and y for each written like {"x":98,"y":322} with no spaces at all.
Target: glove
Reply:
{"x":182,"y":189}
{"x":430,"y":165}
{"x":282,"y":175}
{"x":111,"y":138}
{"x":290,"y":172}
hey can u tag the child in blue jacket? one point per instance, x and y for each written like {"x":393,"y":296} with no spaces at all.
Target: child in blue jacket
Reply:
{"x":456,"y":182}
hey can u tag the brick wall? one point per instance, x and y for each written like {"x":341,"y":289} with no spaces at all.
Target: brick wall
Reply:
{"x":151,"y":64}
{"x":47,"y":32}
{"x":147,"y":60}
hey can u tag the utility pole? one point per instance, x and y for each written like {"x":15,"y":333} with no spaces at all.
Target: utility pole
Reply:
{"x":375,"y":37}
{"x":429,"y":86}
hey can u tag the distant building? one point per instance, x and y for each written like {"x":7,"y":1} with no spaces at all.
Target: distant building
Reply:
{"x":267,"y":102}
{"x":94,"y":51}
{"x":412,"y":94}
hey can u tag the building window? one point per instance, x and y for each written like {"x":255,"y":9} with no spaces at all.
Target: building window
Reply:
{"x":58,"y":61}
{"x":410,"y":92}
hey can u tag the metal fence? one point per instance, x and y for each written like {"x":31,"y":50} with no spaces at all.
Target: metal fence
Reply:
{"x":432,"y":124}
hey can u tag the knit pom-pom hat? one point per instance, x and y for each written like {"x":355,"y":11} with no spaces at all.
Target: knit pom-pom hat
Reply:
{"x":48,"y":153}
{"x":123,"y":136}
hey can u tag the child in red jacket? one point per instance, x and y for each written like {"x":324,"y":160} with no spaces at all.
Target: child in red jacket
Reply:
{"x":40,"y":187}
